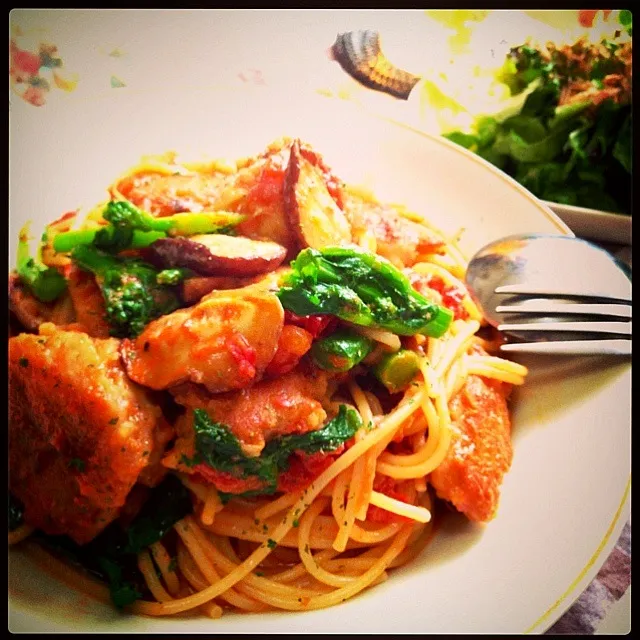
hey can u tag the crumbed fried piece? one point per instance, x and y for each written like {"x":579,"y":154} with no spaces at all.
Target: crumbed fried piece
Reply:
{"x":31,"y":312}
{"x":288,"y":404}
{"x":400,"y":240}
{"x":164,"y":195}
{"x":480,"y":452}
{"x":80,"y":433}
{"x":88,"y":302}
{"x":224,"y":342}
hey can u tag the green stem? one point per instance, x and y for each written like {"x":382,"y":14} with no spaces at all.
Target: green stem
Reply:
{"x":190,"y":224}
{"x":439,"y":323}
{"x":65,"y":242}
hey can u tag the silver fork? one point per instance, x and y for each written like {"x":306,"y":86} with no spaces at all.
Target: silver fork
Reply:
{"x":554,"y":294}
{"x":550,"y":314}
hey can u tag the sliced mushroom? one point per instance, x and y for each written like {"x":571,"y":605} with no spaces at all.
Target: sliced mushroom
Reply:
{"x":220,"y":255}
{"x":314,"y":215}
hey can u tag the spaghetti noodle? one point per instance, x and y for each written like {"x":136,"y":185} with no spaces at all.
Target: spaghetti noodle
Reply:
{"x":339,"y":520}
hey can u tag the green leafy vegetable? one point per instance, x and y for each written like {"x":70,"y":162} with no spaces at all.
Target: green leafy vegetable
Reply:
{"x":112,"y":555}
{"x":570,"y":139}
{"x":108,"y":238}
{"x":123,"y":213}
{"x":341,"y":351}
{"x":123,"y":592}
{"x":217,"y":446}
{"x":131,"y":289}
{"x":622,"y":146}
{"x":625,"y":18}
{"x":157,"y":516}
{"x":132,"y":228}
{"x":168,"y":503}
{"x":77,"y":463}
{"x":45,"y":283}
{"x":172,"y":276}
{"x":362,"y":288}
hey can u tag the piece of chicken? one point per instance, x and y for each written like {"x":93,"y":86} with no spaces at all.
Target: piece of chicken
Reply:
{"x":480,"y":452}
{"x":270,"y":408}
{"x":224,"y":342}
{"x":257,"y":192}
{"x":164,"y":195}
{"x":399,"y":239}
{"x":81,"y":434}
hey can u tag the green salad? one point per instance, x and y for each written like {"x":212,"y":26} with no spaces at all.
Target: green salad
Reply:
{"x":569,"y":139}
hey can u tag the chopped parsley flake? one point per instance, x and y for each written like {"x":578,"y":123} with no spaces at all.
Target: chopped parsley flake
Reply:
{"x":77,"y":463}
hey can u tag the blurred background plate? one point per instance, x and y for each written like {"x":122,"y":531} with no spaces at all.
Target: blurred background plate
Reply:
{"x":595,"y":225}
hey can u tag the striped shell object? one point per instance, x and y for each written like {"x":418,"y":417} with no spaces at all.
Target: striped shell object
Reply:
{"x":360,"y":55}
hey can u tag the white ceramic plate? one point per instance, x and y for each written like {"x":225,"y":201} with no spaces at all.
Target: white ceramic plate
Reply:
{"x":566,"y":497}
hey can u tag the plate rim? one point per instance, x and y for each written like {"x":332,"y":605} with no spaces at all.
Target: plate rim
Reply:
{"x":577,"y":586}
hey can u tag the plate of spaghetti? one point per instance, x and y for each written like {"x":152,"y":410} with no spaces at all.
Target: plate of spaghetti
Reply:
{"x":246,"y":377}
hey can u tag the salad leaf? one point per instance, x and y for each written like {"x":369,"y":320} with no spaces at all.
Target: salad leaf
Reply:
{"x":625,"y":19}
{"x":622,"y":147}
{"x":569,"y":140}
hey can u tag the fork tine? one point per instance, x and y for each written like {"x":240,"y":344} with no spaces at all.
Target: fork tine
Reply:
{"x":549,"y":307}
{"x":572,"y":347}
{"x":523,"y":289}
{"x":620,"y":328}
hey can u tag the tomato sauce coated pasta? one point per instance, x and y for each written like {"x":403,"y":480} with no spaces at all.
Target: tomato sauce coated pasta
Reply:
{"x":258,"y":434}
